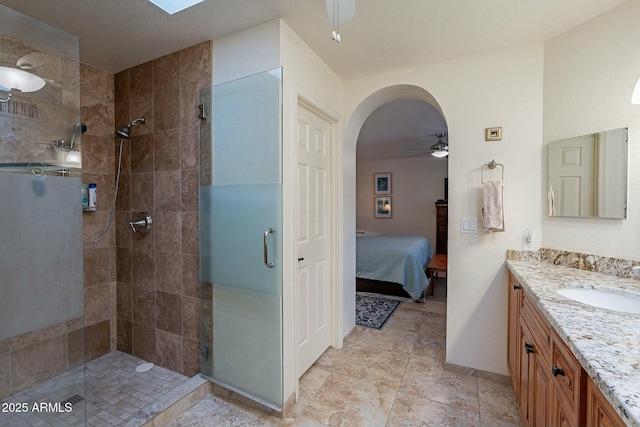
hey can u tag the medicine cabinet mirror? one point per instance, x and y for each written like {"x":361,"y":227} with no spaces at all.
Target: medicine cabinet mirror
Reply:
{"x":588,"y":175}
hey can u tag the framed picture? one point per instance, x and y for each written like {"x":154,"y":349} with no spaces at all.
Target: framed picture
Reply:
{"x":493,"y":134}
{"x":382,"y":207}
{"x":382,"y":183}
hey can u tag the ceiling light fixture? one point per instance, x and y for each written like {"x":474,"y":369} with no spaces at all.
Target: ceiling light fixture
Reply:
{"x":440,"y":148}
{"x":635,"y":96}
{"x":175,"y":6}
{"x":339,"y":12}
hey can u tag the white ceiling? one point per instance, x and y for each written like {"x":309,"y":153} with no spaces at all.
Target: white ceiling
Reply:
{"x":384,"y":35}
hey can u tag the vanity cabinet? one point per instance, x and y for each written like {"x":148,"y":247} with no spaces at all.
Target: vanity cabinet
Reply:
{"x":551,"y":387}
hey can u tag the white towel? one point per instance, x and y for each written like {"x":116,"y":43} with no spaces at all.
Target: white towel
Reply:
{"x":492,"y":207}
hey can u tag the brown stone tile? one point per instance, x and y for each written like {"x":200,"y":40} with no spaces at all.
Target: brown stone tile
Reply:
{"x":190,"y":357}
{"x":196,"y":61}
{"x":189,"y":191}
{"x":97,"y":340}
{"x":165,"y":108}
{"x":37,"y":336}
{"x":123,"y":230}
{"x":93,"y":82}
{"x":123,"y":202}
{"x":166,"y":149}
{"x":169,"y":312}
{"x":96,"y":266}
{"x":124,"y":265}
{"x":144,"y":342}
{"x":121,"y":86}
{"x":74,"y":324}
{"x":169,"y":232}
{"x":141,"y":79}
{"x":190,"y":275}
{"x":5,"y":375}
{"x":191,"y":317}
{"x":143,"y":271}
{"x":169,"y":273}
{"x":169,"y":350}
{"x":95,"y":114}
{"x":140,"y":106}
{"x":113,"y":258}
{"x":38,"y":362}
{"x":93,"y":224}
{"x":166,"y":70}
{"x":191,"y":233}
{"x":189,"y":146}
{"x":97,"y":155}
{"x":98,"y":304}
{"x":124,"y":301}
{"x":125,"y":336}
{"x":144,"y":306}
{"x":125,"y":162}
{"x":70,"y":73}
{"x":121,"y":117}
{"x":141,"y":151}
{"x":189,"y":99}
{"x":4,"y":345}
{"x":142,"y":192}
{"x":75,"y":348}
{"x":167,"y":190}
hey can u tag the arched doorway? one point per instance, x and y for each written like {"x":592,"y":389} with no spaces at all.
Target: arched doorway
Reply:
{"x":352,"y":130}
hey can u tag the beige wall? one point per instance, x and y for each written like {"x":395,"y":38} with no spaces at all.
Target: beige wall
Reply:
{"x":589,"y":74}
{"x":497,"y":89}
{"x":416,"y":184}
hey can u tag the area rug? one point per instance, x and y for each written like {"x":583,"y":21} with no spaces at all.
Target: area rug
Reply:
{"x":373,"y":312}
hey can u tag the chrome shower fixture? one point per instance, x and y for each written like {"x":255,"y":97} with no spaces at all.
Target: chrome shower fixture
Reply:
{"x":78,"y":128}
{"x":125,"y":131}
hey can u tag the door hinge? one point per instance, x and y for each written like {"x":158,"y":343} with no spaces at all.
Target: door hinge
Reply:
{"x":204,"y":353}
{"x":204,"y":111}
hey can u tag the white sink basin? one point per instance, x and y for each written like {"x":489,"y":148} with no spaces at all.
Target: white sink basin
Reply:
{"x":603,"y":299}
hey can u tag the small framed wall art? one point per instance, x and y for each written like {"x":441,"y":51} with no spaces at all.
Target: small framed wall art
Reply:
{"x":382,"y":183}
{"x":382,"y":207}
{"x":493,"y":134}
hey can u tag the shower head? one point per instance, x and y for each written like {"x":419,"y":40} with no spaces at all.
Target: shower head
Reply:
{"x":125,"y":131}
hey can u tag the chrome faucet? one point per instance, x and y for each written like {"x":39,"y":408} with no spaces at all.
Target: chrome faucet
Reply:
{"x":142,"y":224}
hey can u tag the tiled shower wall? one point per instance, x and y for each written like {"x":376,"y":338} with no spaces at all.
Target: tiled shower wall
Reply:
{"x":97,"y":112}
{"x":158,"y":291}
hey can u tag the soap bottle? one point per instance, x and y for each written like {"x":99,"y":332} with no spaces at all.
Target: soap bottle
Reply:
{"x":92,"y":197}
{"x":85,"y":197}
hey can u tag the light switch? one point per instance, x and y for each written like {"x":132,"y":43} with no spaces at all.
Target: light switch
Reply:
{"x":469,"y":225}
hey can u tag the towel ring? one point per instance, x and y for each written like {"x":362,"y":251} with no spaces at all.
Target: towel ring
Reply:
{"x":492,"y":165}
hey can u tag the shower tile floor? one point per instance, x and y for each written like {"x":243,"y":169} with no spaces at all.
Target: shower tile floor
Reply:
{"x":113,"y":394}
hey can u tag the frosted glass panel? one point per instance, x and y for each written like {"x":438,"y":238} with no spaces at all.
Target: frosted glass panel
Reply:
{"x":241,"y":233}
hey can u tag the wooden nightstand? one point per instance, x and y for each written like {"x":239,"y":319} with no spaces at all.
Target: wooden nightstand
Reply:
{"x":437,"y":264}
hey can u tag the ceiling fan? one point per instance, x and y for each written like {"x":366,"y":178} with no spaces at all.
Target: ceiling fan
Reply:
{"x":440,"y":148}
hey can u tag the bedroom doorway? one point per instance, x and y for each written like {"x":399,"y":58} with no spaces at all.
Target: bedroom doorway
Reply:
{"x":313,"y":292}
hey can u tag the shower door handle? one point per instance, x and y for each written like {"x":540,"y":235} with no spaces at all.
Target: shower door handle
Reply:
{"x":266,"y":249}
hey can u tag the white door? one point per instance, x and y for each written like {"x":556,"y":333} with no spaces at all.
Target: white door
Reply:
{"x":571,"y":175}
{"x":314,"y":228}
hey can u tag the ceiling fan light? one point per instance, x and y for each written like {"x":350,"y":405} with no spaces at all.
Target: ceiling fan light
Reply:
{"x":13,"y":78}
{"x":440,"y":153}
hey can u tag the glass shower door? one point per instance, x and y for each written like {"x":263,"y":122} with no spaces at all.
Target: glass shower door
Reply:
{"x":241,"y":235}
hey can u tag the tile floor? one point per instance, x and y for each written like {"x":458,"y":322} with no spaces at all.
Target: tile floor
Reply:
{"x":390,"y":377}
{"x":112,"y":393}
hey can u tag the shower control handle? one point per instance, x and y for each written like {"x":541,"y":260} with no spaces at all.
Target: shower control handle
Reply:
{"x":142,"y":224}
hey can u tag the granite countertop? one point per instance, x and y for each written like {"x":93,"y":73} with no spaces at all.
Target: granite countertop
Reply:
{"x":605,"y":342}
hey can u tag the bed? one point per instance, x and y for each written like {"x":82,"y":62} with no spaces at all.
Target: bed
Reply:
{"x":392,"y":265}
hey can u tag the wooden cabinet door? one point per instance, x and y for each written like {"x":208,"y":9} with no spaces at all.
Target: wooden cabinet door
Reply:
{"x":541,"y":395}
{"x":525,"y":375}
{"x":599,"y":411}
{"x":513,"y":343}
